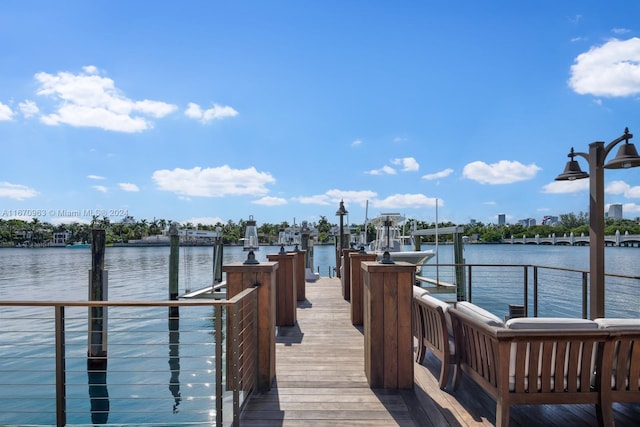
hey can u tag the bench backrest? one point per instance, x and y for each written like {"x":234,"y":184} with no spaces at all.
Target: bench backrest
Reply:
{"x":527,"y":360}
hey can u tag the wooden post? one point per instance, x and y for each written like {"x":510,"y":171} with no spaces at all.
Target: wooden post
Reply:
{"x":174,"y":266}
{"x":388,"y":340}
{"x":97,"y":351}
{"x":346,"y":274}
{"x":356,"y":259}
{"x":174,"y":316}
{"x":300,"y":262}
{"x":285,"y":288}
{"x":241,"y":276}
{"x":217,"y":256}
{"x":97,"y":292}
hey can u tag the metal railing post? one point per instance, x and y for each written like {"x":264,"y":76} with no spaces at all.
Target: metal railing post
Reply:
{"x":235,"y":362}
{"x":585,"y":284}
{"x":219,"y":373}
{"x":535,"y":290}
{"x":470,"y":285}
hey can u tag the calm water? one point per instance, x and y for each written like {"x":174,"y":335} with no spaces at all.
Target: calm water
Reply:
{"x":142,"y":274}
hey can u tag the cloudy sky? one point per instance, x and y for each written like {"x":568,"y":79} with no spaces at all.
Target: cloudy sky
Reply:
{"x":206,"y":110}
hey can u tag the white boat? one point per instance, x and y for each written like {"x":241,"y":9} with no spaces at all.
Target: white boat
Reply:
{"x":389,"y":238}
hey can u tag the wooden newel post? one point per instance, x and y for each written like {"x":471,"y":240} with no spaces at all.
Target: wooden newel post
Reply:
{"x":355,"y":260}
{"x":286,"y":302}
{"x":388,"y":341}
{"x":301,"y":262}
{"x":241,"y":276}
{"x":98,"y":285}
{"x":346,"y":274}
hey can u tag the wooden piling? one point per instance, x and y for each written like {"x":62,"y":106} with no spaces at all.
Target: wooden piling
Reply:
{"x":98,"y":292}
{"x":174,"y":261}
{"x":97,"y":351}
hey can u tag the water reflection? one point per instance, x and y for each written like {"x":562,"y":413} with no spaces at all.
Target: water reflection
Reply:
{"x":98,"y":393}
{"x":174,"y":356}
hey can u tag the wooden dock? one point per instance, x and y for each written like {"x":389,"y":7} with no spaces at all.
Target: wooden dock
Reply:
{"x":320,"y":381}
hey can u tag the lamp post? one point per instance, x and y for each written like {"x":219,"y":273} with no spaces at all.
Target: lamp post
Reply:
{"x":341,"y":212}
{"x":627,"y":157}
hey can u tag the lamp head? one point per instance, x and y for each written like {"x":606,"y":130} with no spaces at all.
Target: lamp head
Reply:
{"x":627,"y":156}
{"x":341,"y":210}
{"x":572,"y":170}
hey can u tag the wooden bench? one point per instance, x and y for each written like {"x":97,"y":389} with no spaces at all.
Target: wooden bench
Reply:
{"x":433,"y":331}
{"x":532,"y":366}
{"x":620,"y":364}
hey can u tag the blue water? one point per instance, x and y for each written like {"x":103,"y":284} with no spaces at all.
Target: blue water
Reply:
{"x":27,"y":341}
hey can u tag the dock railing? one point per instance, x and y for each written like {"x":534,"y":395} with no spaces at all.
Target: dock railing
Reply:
{"x":543,"y":291}
{"x":167,"y":362}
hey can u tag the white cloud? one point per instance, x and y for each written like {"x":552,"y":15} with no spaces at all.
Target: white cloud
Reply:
{"x":399,"y":201}
{"x":620,"y":30}
{"x":617,"y":187}
{"x":351,"y":196}
{"x":217,"y":112}
{"x":318,"y":199}
{"x":442,"y":174}
{"x":270,"y":201}
{"x":213,"y":182}
{"x":334,"y":196}
{"x":5,"y":112}
{"x":621,"y":187}
{"x":16,"y":191}
{"x":385,"y":170}
{"x":90,"y":100}
{"x":100,"y":188}
{"x":356,"y":143}
{"x":503,"y":172}
{"x":127,"y":186}
{"x":631,"y":208}
{"x":205,"y":220}
{"x":28,"y":108}
{"x":612,"y":69}
{"x":565,"y":187}
{"x":97,"y":177}
{"x":68,"y":220}
{"x":409,"y":164}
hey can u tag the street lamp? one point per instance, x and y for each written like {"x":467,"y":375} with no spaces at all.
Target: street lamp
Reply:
{"x":627,"y":157}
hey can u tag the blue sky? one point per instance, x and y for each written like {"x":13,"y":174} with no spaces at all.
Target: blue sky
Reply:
{"x":202,"y":111}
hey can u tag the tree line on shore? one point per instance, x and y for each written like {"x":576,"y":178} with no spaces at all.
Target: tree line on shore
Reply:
{"x":38,"y":233}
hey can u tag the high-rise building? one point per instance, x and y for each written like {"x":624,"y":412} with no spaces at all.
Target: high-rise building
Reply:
{"x":502,"y":219}
{"x":615,"y":211}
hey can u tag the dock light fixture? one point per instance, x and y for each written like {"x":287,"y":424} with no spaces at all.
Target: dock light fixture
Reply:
{"x":386,"y":258}
{"x":251,"y":235}
{"x":341,"y":212}
{"x":627,"y":157}
{"x":387,"y":227}
{"x":251,"y":259}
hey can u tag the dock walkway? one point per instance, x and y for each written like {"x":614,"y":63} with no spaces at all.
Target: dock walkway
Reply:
{"x":320,"y":378}
{"x":320,"y":381}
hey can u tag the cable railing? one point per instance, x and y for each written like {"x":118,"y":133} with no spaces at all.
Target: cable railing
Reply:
{"x":185,"y":362}
{"x":543,"y":291}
